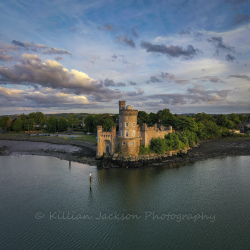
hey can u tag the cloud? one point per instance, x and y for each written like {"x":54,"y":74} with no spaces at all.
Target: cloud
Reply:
{"x":30,"y":70}
{"x":106,"y":27}
{"x":196,"y":95}
{"x":214,"y":79}
{"x":166,"y":77}
{"x":40,"y":47}
{"x":125,"y":40}
{"x":110,"y":83}
{"x":58,"y":58}
{"x":154,"y":79}
{"x":230,"y":58}
{"x":134,"y":33}
{"x":241,"y":19}
{"x":174,"y":51}
{"x":220,"y":45}
{"x":132,"y":83}
{"x":245,"y":77}
{"x":139,"y":92}
{"x":5,"y":57}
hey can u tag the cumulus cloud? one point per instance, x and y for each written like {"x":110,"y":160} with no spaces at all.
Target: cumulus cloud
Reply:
{"x":40,"y":48}
{"x":171,"y":50}
{"x":125,"y":40}
{"x":30,"y":70}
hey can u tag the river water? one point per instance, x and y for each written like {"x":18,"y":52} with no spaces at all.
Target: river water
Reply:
{"x":47,"y":203}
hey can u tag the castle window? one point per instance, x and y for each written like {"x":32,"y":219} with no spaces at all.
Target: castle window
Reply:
{"x":123,"y":143}
{"x":133,"y":124}
{"x":132,"y":143}
{"x":126,"y":133}
{"x":126,"y":124}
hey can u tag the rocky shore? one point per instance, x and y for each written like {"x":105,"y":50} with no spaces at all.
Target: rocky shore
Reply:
{"x":85,"y":151}
{"x":204,"y":150}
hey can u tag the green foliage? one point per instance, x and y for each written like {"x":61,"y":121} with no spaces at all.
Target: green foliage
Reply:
{"x":28,"y":124}
{"x":145,"y":150}
{"x":203,"y":116}
{"x":5,"y":123}
{"x":104,"y":120}
{"x":89,"y":123}
{"x":142,"y":117}
{"x":37,"y":117}
{"x":108,"y":123}
{"x":186,"y":123}
{"x":166,"y":117}
{"x":18,"y":125}
{"x":72,"y":120}
{"x":157,"y":145}
{"x":62,"y":124}
{"x":152,"y":119}
{"x":52,"y":124}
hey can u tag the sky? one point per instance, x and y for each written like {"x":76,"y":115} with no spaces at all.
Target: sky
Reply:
{"x":80,"y":56}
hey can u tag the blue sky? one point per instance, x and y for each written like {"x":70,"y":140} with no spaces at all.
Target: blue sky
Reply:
{"x":85,"y":56}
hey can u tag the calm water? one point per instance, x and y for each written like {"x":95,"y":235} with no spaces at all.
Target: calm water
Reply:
{"x":46,"y":203}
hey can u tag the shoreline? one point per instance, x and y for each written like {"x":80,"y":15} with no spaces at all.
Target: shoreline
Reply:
{"x":71,"y":150}
{"x":84,"y":151}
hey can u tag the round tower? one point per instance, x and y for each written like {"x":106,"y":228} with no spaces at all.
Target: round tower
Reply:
{"x":128,"y":139}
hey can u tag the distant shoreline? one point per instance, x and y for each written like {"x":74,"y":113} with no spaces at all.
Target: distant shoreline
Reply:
{"x":84,"y":151}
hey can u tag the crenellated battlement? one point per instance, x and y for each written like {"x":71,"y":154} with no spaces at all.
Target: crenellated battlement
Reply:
{"x":130,"y":135}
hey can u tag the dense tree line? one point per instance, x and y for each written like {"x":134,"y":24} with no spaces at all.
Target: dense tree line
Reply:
{"x":38,"y":121}
{"x":205,"y":126}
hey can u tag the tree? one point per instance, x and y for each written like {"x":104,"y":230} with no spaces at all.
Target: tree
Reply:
{"x":142,"y":117}
{"x":166,"y":117}
{"x":28,"y":124}
{"x":186,"y":123}
{"x":234,"y":118}
{"x":37,"y":117}
{"x":5,"y":123}
{"x":62,"y":124}
{"x":89,"y":123}
{"x":72,"y":120}
{"x":108,"y":123}
{"x":152,"y":119}
{"x":203,"y":116}
{"x":52,"y":124}
{"x":18,"y":125}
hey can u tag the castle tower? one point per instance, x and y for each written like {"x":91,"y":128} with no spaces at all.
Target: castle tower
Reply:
{"x":129,"y":141}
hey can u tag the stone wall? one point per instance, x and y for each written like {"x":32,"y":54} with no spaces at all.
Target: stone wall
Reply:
{"x":148,"y":133}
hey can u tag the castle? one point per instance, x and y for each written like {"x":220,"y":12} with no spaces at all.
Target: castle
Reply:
{"x":130,"y":136}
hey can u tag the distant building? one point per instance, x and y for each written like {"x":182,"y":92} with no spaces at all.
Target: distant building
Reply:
{"x":245,"y":127}
{"x":130,"y":136}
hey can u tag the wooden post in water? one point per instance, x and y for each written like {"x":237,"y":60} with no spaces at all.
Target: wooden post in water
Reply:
{"x":90,"y":180}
